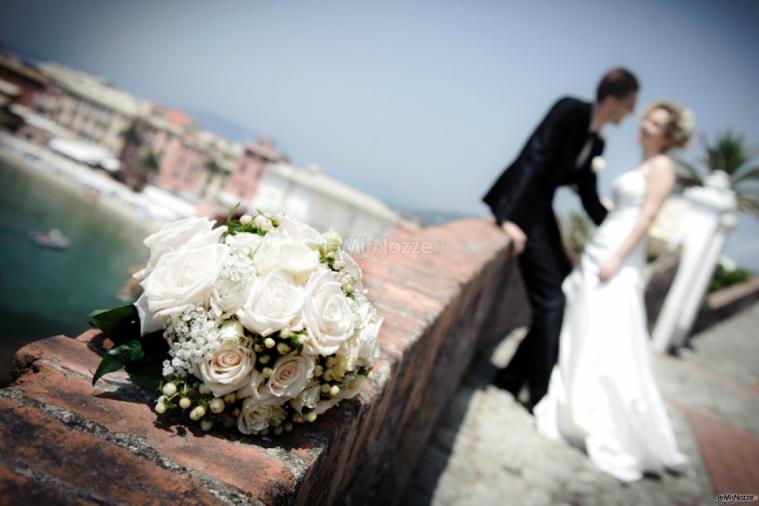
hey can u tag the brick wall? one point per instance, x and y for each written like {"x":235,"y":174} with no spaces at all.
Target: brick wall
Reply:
{"x":63,"y":441}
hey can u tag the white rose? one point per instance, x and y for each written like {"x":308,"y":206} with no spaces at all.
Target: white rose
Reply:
{"x":230,"y":333}
{"x":148,"y":322}
{"x":298,"y":231}
{"x":351,"y":387}
{"x":351,"y":267}
{"x":308,"y":398}
{"x":258,"y":414}
{"x":183,"y":278}
{"x":244,"y":241}
{"x":189,"y":233}
{"x":368,"y":349}
{"x":290,"y":374}
{"x":279,"y":252}
{"x":327,"y":314}
{"x":227,"y":370}
{"x":275,"y":302}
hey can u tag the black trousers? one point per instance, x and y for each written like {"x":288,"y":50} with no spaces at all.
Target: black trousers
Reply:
{"x":544,"y":265}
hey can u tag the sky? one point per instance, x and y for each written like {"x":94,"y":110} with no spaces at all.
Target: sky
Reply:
{"x":421,"y":104}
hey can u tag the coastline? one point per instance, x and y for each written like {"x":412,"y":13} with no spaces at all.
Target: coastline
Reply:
{"x":86,"y":183}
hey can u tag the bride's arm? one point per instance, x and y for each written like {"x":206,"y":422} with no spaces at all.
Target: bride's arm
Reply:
{"x":661,"y":178}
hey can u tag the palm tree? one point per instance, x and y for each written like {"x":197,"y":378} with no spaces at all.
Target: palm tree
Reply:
{"x":151,"y":163}
{"x":731,"y":154}
{"x":132,"y":133}
{"x":576,"y":234}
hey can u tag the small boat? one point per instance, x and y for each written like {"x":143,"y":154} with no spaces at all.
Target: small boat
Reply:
{"x":52,"y":238}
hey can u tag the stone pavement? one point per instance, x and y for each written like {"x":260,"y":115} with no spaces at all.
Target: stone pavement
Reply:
{"x":485,"y":450}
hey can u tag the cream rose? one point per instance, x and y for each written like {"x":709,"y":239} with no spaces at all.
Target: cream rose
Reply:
{"x":183,"y":278}
{"x":290,"y":374}
{"x":326,"y":313}
{"x":308,"y":398}
{"x":258,"y":414}
{"x":189,"y":233}
{"x":275,"y":302}
{"x":253,"y":387}
{"x":227,"y":370}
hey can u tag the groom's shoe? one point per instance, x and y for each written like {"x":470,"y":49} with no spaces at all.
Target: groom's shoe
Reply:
{"x":508,"y":382}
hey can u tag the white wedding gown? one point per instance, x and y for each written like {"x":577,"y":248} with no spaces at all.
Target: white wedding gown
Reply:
{"x":602,"y":393}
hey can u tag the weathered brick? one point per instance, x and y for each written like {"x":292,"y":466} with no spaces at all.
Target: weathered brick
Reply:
{"x":75,"y":462}
{"x":122,"y":408}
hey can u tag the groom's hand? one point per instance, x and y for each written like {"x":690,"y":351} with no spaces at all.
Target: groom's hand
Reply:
{"x":516,"y":235}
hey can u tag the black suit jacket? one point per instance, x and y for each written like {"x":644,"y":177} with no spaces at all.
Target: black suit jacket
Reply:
{"x":524,"y":192}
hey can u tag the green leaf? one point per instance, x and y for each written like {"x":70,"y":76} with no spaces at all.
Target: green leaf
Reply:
{"x":147,"y":373}
{"x":152,"y":385}
{"x":118,"y":357}
{"x":119,"y":324}
{"x":109,"y":364}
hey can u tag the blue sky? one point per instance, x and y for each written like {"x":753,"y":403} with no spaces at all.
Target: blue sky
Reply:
{"x":419,"y":103}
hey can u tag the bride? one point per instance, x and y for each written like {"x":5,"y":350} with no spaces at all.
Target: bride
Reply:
{"x":602,"y":393}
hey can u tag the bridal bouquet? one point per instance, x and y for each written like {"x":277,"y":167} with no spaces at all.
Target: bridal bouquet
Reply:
{"x":261,"y":323}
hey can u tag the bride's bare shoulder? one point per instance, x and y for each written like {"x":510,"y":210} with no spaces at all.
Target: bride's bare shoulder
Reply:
{"x":660,"y":165}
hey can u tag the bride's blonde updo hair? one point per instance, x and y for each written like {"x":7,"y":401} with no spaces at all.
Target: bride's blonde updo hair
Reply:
{"x":681,"y":123}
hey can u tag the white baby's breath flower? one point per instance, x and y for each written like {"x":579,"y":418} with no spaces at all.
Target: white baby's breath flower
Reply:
{"x":244,"y":243}
{"x":235,"y":279}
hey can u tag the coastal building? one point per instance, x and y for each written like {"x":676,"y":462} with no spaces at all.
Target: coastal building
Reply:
{"x":31,"y":87}
{"x":223,"y":158}
{"x":244,"y":180}
{"x":183,"y":165}
{"x":166,"y":146}
{"x":311,"y":196}
{"x":89,"y":107}
{"x":36,"y":128}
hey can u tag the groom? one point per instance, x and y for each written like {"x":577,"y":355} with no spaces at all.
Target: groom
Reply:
{"x":559,"y":152}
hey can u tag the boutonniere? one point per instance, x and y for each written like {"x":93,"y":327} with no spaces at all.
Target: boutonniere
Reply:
{"x":597,"y":164}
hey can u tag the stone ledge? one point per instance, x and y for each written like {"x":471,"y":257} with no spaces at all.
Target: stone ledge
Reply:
{"x":115,"y":449}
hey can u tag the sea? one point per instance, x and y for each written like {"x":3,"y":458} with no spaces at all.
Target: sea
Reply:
{"x":43,"y":291}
